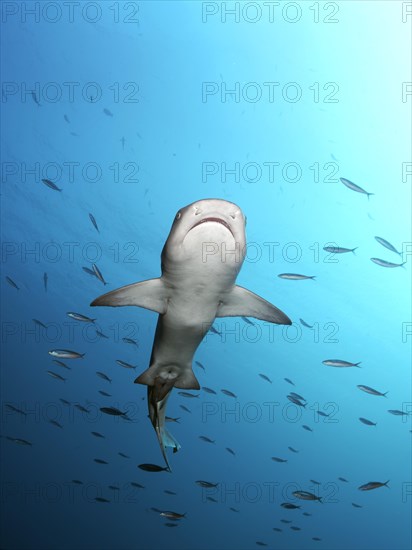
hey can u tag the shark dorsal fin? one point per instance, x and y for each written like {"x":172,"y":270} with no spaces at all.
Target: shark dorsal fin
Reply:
{"x":150,"y":294}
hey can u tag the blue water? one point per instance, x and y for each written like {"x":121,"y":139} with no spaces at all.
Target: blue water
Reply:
{"x":172,"y":133}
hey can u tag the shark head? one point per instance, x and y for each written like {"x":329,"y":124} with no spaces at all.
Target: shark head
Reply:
{"x":206,"y":228}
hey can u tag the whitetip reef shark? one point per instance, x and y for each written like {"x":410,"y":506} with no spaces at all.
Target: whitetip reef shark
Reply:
{"x":200,"y":261}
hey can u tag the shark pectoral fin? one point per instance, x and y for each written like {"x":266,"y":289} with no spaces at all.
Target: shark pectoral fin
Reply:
{"x":150,"y":294}
{"x":240,"y":302}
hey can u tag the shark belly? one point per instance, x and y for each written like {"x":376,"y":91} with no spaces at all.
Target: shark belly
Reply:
{"x":189,"y":316}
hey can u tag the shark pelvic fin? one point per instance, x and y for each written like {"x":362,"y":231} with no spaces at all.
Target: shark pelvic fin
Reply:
{"x":166,"y":377}
{"x":150,"y":294}
{"x":240,"y":302}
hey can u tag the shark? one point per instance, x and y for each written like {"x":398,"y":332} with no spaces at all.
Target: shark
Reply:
{"x":200,"y":262}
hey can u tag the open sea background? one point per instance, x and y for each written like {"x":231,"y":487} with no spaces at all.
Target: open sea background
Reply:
{"x":267,"y":107}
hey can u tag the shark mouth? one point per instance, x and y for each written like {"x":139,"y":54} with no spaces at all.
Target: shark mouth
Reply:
{"x":217,"y":220}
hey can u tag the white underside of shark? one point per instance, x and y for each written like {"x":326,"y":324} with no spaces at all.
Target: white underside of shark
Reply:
{"x":200,"y":262}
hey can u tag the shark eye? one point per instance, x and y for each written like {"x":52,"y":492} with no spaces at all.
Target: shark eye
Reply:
{"x":178,"y":216}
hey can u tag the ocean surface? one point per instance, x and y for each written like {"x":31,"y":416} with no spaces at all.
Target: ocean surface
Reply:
{"x":129,"y":111}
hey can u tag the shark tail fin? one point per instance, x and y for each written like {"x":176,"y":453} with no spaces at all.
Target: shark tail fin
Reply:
{"x":157,"y":399}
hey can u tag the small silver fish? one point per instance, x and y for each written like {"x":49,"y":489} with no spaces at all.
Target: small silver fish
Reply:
{"x":100,"y":333}
{"x":305,"y":324}
{"x":15,"y":409}
{"x":153,"y":468}
{"x":124,"y":364}
{"x":387,"y":245}
{"x":19,"y":441}
{"x":231,"y":451}
{"x":45,"y":279}
{"x":384,"y":263}
{"x":187,"y":394}
{"x":55,"y":423}
{"x":307,"y":428}
{"x":277,"y":459}
{"x":208,"y":390}
{"x":396,"y":412}
{"x":51,"y":185}
{"x":206,"y":484}
{"x":80,"y":317}
{"x":340,"y":363}
{"x":229,"y":393}
{"x":172,"y":515}
{"x":200,"y":365}
{"x":130,"y":341}
{"x":372,"y":391}
{"x":97,"y":434}
{"x":113,"y":411}
{"x":89,"y":271}
{"x":66,"y":118}
{"x":12,"y":283}
{"x":93,"y":220}
{"x":66,"y":354}
{"x":265,"y":378}
{"x":81,"y":408}
{"x":289,"y":506}
{"x":206,"y":439}
{"x":56,"y":376}
{"x":373,"y":485}
{"x":354,"y":187}
{"x":61,"y":364}
{"x":104,"y":376}
{"x":34,"y":97}
{"x":288,"y":381}
{"x":39,"y":323}
{"x":295,"y":276}
{"x":367,"y":422}
{"x":98,"y":274}
{"x":295,"y":401}
{"x":315,"y":482}
{"x":339,"y":249}
{"x":104,"y":393}
{"x":107,"y":112}
{"x":297,"y":396}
